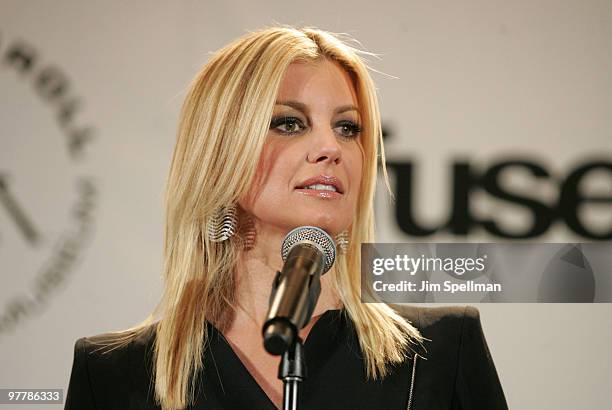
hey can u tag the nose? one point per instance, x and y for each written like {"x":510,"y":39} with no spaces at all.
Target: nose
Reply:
{"x":324,"y":148}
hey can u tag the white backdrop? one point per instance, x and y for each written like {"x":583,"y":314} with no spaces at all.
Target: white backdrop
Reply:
{"x":81,"y":225}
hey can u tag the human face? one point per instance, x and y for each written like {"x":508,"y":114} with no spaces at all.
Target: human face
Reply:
{"x":309,"y":172}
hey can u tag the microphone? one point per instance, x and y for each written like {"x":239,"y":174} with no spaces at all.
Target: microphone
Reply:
{"x":308,"y":252}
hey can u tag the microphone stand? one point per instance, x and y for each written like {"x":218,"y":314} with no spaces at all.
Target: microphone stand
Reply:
{"x":292,"y":368}
{"x":295,"y":291}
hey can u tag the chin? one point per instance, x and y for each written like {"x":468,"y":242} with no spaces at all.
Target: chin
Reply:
{"x":332,"y":224}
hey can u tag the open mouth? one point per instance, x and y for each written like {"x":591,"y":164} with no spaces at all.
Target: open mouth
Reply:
{"x":321,"y":187}
{"x":322,"y":184}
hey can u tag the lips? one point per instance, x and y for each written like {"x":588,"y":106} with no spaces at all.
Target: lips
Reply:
{"x":325,"y":183}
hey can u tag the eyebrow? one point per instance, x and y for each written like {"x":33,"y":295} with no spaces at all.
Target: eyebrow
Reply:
{"x":302,"y":107}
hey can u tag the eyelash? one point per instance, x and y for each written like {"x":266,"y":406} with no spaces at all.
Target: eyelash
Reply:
{"x":353,"y":128}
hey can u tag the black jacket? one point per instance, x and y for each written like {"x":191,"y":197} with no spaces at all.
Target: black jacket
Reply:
{"x":454,"y":371}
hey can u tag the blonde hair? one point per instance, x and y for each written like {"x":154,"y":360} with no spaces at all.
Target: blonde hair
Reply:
{"x":222,"y":130}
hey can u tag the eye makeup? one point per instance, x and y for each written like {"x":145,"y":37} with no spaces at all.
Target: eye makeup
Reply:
{"x":289,"y":120}
{"x":287,"y":125}
{"x":348,"y":128}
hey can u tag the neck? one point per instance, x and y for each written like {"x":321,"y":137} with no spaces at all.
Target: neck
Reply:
{"x":256,"y":270}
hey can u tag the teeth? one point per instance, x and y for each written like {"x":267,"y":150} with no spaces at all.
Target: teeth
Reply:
{"x":322,"y":187}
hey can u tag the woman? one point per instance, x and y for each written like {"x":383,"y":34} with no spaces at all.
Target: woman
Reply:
{"x":280,"y":129}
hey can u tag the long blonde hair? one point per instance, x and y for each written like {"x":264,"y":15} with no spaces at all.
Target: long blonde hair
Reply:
{"x":222,"y":130}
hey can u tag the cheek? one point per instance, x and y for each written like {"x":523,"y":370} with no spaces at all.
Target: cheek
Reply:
{"x":356,"y":170}
{"x":267,"y":175}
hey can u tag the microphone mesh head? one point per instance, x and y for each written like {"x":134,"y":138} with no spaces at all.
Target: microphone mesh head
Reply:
{"x":313,"y":236}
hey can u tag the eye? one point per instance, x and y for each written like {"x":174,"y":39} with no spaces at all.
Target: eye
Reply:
{"x":348,"y":129}
{"x":287,"y":125}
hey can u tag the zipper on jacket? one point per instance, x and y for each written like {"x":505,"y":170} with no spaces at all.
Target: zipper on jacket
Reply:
{"x":412,"y":382}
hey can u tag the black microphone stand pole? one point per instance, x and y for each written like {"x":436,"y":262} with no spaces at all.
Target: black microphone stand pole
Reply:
{"x":281,"y":337}
{"x":292,"y":370}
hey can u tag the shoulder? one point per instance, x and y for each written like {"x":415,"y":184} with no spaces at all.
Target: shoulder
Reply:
{"x":446,"y":322}
{"x":109,"y":368}
{"x":447,"y":332}
{"x":113,"y":350}
{"x":458,"y":364}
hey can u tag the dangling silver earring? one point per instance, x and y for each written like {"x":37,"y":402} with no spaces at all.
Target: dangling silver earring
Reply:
{"x":247,"y":230}
{"x":222,"y":224}
{"x":342,"y":241}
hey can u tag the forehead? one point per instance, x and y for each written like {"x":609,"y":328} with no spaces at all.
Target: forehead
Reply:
{"x":323,"y":83}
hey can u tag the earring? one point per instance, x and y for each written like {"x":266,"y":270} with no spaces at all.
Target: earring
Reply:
{"x":342,"y":241}
{"x":247,"y":230}
{"x":222,"y":224}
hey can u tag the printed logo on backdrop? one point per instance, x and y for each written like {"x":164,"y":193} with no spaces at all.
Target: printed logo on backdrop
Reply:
{"x":580,"y":197}
{"x":47,"y":195}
